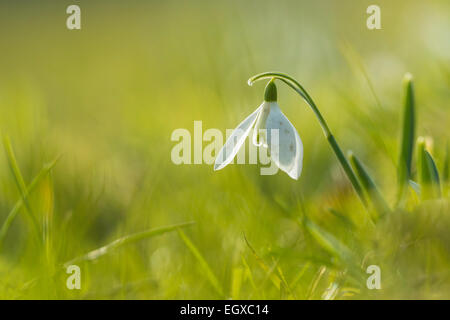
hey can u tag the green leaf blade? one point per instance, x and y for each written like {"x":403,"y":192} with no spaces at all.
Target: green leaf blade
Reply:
{"x":132,"y":238}
{"x":369,"y":186}
{"x":328,"y":241}
{"x":20,"y":182}
{"x":19,"y":204}
{"x":203,"y":264}
{"x":428,"y":173}
{"x":407,"y":137}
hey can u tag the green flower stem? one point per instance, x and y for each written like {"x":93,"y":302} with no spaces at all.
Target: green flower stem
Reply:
{"x":294,"y":84}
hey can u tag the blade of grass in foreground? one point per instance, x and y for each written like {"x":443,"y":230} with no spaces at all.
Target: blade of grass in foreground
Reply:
{"x":269,"y":271}
{"x":407,"y":139}
{"x":237,"y":275}
{"x":369,"y":186}
{"x":300,"y":275}
{"x":248,"y":272}
{"x":313,"y":286}
{"x":20,"y":182}
{"x":428,"y":173}
{"x":204,"y":265}
{"x":135,"y":237}
{"x":286,"y":286}
{"x":13,"y":213}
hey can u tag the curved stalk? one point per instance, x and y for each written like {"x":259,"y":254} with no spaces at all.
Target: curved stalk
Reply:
{"x":297,"y":87}
{"x":294,"y":84}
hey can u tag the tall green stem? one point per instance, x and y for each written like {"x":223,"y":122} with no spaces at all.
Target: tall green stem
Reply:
{"x":297,"y":87}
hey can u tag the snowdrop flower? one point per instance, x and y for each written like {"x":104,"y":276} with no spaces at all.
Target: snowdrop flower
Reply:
{"x":279,"y":137}
{"x":287,"y":152}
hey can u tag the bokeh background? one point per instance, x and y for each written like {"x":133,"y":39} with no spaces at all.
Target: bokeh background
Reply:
{"x":108,"y":97}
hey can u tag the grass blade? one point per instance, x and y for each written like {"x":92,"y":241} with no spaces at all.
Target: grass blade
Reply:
{"x":407,"y":137}
{"x":269,"y":271}
{"x":314,"y":283}
{"x":328,"y":241}
{"x":347,"y":169}
{"x":343,"y":219}
{"x":248,"y":275}
{"x":237,"y":276}
{"x":369,"y":186}
{"x":434,"y":174}
{"x":20,"y":182}
{"x":356,"y":63}
{"x":97,"y":253}
{"x":204,"y":265}
{"x":300,"y":275}
{"x":428,"y":173}
{"x":13,"y":213}
{"x":285,"y":283}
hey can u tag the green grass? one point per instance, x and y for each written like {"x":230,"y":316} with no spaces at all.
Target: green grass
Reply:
{"x":85,"y":176}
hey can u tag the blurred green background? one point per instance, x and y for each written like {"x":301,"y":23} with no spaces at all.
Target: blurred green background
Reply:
{"x":108,"y":97}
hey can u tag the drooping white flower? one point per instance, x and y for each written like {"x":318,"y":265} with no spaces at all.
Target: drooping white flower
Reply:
{"x":280,"y":137}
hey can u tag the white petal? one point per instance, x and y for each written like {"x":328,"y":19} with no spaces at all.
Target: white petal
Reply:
{"x":235,"y":141}
{"x":259,"y":138}
{"x":287,"y":150}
